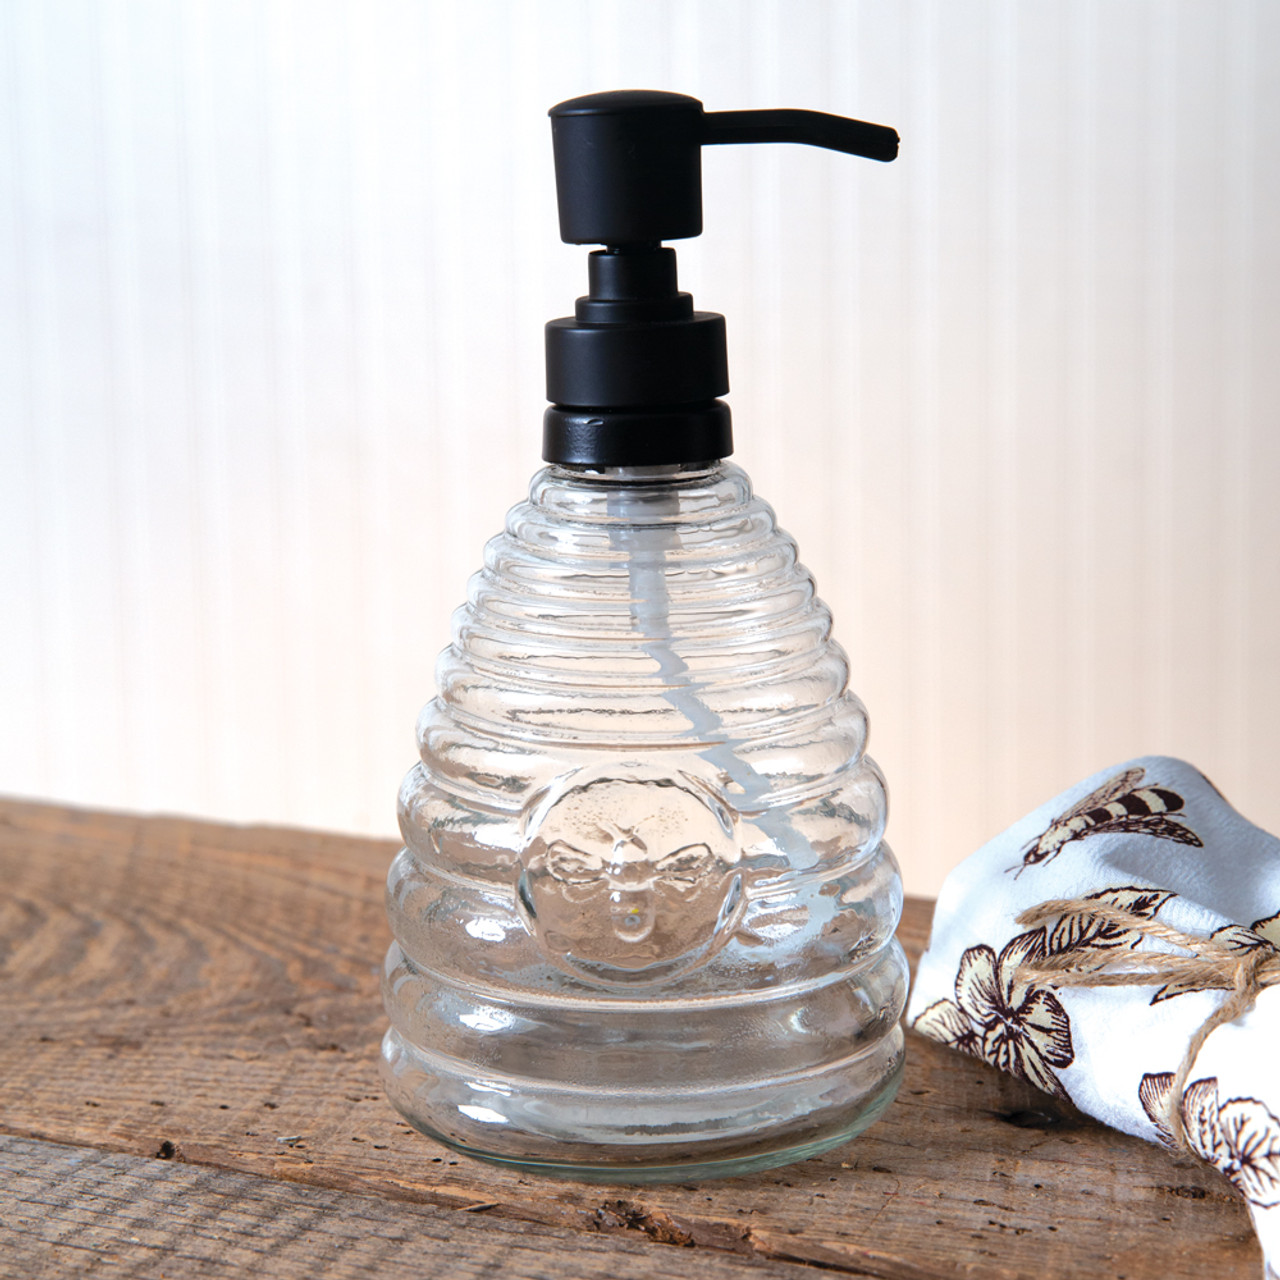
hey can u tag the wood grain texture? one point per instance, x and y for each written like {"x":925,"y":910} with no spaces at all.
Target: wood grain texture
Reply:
{"x":72,"y":1211}
{"x":209,"y":995}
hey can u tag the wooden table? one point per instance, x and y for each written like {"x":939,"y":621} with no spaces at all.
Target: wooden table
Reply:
{"x":189,"y":1022}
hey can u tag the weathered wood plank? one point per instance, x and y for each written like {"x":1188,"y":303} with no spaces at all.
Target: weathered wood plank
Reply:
{"x":74,"y":1210}
{"x":210,"y":992}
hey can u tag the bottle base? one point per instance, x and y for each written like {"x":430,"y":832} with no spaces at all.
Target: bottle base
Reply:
{"x":676,"y":1161}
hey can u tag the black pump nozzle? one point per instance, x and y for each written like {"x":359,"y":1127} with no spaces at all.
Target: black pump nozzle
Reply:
{"x":634,"y":376}
{"x":629,"y":164}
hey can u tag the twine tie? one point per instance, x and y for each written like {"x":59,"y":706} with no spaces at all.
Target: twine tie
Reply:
{"x":1212,"y":965}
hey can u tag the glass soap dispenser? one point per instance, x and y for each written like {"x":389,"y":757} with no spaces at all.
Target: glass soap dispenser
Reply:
{"x":644,"y":914}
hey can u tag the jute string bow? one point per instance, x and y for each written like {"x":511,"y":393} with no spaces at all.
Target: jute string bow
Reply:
{"x":1212,"y":966}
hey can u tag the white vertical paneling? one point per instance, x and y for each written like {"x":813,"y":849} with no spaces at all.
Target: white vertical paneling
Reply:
{"x":1088,"y":565}
{"x":1235,"y":355}
{"x":926,"y":628}
{"x":23,"y":633}
{"x":1259,"y":373}
{"x":1001,"y":726}
{"x":272,"y":282}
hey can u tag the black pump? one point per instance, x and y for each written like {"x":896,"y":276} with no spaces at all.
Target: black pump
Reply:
{"x":633,"y":377}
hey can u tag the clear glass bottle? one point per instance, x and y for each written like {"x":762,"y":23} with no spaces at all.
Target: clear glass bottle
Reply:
{"x":644,"y":914}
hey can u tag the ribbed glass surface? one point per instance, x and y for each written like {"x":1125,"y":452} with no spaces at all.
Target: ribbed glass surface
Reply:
{"x":644,"y":913}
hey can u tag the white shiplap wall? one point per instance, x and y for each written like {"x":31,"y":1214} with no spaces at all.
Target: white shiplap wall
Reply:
{"x":272,"y":282}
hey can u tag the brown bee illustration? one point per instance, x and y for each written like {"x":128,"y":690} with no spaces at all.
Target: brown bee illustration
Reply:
{"x":1120,"y":804}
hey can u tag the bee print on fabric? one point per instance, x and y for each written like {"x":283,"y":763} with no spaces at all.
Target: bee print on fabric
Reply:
{"x":1120,"y":804}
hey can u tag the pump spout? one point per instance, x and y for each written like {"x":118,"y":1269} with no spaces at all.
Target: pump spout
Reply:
{"x":816,"y":128}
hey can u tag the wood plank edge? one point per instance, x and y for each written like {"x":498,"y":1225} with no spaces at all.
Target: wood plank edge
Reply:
{"x":66,"y":1204}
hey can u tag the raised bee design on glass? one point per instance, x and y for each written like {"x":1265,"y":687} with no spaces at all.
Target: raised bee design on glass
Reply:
{"x":631,"y":877}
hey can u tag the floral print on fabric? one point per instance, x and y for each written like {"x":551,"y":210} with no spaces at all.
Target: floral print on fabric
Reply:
{"x":1268,"y":929}
{"x":1018,"y":1027}
{"x":1180,"y":968}
{"x":1081,"y":931}
{"x":1240,"y":1137}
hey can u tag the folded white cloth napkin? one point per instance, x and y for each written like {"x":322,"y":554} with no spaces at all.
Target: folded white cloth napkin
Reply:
{"x":1165,"y":858}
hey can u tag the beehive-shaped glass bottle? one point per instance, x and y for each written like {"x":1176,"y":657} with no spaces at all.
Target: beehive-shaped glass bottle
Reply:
{"x":644,"y":914}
